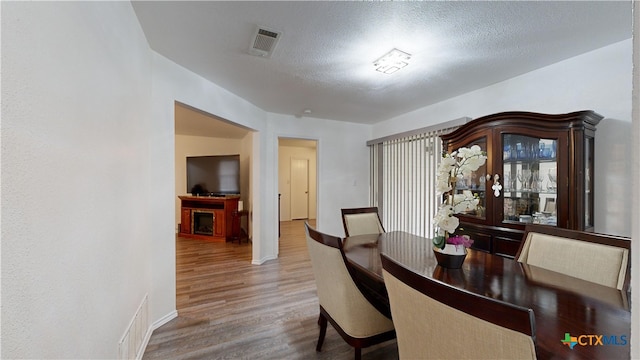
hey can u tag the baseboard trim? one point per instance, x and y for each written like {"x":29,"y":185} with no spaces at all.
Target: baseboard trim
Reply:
{"x":163,"y":320}
{"x":263,"y":260}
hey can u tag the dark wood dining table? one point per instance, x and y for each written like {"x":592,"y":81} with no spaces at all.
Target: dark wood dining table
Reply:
{"x":598,"y":317}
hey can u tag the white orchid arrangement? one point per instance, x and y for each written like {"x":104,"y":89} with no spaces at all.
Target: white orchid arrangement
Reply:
{"x":458,"y":164}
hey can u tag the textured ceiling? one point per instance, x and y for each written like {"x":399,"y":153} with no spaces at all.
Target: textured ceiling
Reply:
{"x":323,"y":61}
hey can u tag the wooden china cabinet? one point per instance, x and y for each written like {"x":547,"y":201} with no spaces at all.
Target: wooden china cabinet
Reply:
{"x":539,"y":169}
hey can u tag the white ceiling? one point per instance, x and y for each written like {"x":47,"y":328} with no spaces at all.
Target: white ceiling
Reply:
{"x":323,"y":61}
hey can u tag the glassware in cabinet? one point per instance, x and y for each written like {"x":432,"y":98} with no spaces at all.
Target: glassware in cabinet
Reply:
{"x":530,"y":179}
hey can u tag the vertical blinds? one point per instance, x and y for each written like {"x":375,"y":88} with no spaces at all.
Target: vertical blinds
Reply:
{"x":403,"y":179}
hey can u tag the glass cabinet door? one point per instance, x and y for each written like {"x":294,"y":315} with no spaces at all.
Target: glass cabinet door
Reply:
{"x":530,"y":176}
{"x":474,"y":185}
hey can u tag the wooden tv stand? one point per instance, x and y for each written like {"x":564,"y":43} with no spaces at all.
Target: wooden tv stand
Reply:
{"x":207,"y":217}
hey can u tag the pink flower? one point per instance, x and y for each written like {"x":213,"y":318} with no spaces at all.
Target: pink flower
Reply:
{"x":463,"y":240}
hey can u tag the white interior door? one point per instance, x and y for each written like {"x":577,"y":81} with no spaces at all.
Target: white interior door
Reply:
{"x":299,"y":188}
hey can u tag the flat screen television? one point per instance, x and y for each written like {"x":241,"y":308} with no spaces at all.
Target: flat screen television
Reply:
{"x":216,"y":175}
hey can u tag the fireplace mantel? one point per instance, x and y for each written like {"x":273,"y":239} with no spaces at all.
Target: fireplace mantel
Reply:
{"x":221,"y":208}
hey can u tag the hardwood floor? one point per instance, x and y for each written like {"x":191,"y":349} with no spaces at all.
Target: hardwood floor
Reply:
{"x":230,"y":309}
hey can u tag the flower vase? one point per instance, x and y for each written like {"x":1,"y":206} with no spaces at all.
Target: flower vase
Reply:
{"x":451,"y":257}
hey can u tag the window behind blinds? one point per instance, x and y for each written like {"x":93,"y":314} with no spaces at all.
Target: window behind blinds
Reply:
{"x":403,"y":178}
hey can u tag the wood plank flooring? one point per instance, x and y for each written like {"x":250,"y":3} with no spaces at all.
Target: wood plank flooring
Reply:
{"x":230,"y":309}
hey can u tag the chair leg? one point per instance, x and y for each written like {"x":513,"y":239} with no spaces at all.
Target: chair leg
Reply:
{"x":322,"y":321}
{"x":358,"y":353}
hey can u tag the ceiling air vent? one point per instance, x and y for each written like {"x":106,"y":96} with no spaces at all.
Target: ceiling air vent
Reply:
{"x":263,"y":42}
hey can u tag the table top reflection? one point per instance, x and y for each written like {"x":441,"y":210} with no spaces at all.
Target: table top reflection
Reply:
{"x":598,"y":316}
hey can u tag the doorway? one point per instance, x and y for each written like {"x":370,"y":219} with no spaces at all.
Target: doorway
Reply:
{"x":297,"y":178}
{"x":198,"y":133}
{"x":299,"y":189}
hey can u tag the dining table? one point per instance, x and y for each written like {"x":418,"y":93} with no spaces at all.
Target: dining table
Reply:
{"x":574,"y":318}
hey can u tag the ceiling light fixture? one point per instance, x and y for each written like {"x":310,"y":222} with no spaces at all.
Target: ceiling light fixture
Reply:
{"x":392,"y":61}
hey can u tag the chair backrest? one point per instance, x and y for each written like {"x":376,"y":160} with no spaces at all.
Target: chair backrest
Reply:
{"x":360,"y":221}
{"x":437,"y":321}
{"x":598,"y":258}
{"x":337,"y":291}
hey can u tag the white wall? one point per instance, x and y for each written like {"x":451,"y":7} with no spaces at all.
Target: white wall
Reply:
{"x":78,"y":177}
{"x":202,"y":146}
{"x":343,"y":164}
{"x":285,"y":154}
{"x":598,"y":80}
{"x":246,"y":189}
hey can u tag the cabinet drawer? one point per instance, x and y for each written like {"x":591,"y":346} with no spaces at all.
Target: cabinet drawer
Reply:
{"x":481,"y":241}
{"x":506,"y":247}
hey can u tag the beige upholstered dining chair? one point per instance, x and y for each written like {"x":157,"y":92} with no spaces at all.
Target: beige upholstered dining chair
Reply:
{"x":435,"y":320}
{"x":360,"y":221}
{"x":341,"y":302}
{"x":598,"y":258}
